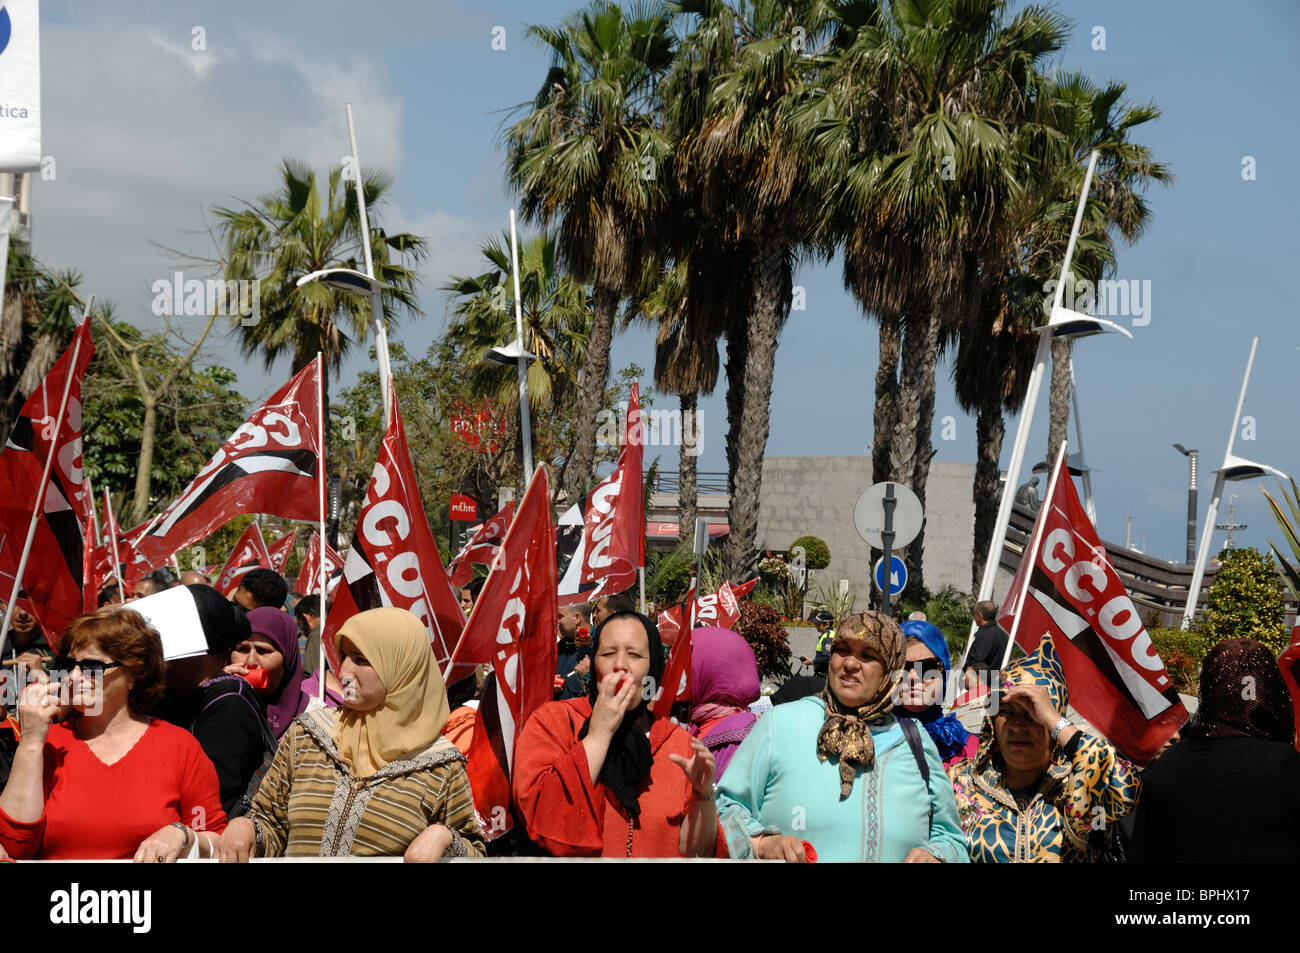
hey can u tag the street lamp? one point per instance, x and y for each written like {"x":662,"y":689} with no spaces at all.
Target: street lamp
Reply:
{"x":349,"y":279}
{"x":1234,"y":468}
{"x":1192,"y":457}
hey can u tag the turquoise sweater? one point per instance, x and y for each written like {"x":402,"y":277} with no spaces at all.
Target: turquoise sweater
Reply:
{"x":775,"y":784}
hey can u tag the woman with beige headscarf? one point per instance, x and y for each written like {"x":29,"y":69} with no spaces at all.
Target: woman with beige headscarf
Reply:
{"x":373,"y":777}
{"x":838,"y":772}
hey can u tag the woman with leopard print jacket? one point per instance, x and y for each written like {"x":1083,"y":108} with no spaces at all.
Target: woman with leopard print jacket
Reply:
{"x":1038,"y":788}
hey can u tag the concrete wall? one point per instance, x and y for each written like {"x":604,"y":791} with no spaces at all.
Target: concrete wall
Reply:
{"x":816,"y":495}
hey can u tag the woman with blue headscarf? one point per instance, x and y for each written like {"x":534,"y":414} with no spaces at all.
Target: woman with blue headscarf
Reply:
{"x":921,"y":692}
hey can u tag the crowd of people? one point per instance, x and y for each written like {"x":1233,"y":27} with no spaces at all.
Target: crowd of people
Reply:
{"x":112,"y":751}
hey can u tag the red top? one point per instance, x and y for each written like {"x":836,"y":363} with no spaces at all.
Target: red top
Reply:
{"x":570,"y":816}
{"x":102,"y":811}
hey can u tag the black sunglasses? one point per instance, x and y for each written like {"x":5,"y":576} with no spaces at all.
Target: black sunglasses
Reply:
{"x":63,"y":665}
{"x":925,"y":669}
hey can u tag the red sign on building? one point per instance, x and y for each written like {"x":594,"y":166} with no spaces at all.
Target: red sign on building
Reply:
{"x":463,"y":508}
{"x":477,"y":427}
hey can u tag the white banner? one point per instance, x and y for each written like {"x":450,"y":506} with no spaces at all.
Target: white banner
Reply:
{"x":20,"y":86}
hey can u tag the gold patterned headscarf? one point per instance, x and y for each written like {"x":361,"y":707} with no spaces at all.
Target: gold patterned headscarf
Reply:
{"x":846,"y":732}
{"x":396,"y":644}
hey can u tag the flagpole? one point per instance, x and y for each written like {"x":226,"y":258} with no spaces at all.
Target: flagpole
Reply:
{"x":525,"y":423}
{"x":376,"y":296}
{"x":320,"y":496}
{"x":45,"y":478}
{"x":1031,"y":553}
{"x":94,"y":516}
{"x":640,"y":578}
{"x":112,"y":534}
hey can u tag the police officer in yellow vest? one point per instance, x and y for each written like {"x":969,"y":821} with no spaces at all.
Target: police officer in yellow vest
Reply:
{"x":822,"y":619}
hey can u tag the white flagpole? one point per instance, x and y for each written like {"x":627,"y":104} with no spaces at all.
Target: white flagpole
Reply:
{"x":45,"y":479}
{"x":94,"y":513}
{"x":525,"y":412}
{"x":376,"y":296}
{"x":1031,"y":552}
{"x":320,"y":494}
{"x":1086,"y":476}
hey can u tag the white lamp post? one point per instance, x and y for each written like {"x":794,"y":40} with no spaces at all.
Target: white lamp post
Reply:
{"x":1234,"y":468}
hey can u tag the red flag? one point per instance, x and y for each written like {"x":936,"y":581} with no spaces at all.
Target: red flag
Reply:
{"x":54,"y":575}
{"x":280,"y":549}
{"x":482,"y":547}
{"x":309,"y":575}
{"x":394,"y":560}
{"x":1289,"y":663}
{"x":613,"y":534}
{"x":1115,"y":676}
{"x":269,"y":465}
{"x":721,"y":609}
{"x":512,"y":626}
{"x":250,"y":552}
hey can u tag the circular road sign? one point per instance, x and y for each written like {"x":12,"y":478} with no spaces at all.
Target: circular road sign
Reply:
{"x":869,"y":515}
{"x":897,"y":574}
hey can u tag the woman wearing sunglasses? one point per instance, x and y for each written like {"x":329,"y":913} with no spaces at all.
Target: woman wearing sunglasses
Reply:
{"x":110,"y":782}
{"x":921,"y":691}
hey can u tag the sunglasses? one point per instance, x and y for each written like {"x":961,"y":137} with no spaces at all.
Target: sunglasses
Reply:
{"x":63,"y":665}
{"x":925,"y":669}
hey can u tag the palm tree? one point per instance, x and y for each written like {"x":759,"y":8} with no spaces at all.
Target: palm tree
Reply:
{"x":304,"y":228}
{"x":739,"y":79}
{"x":591,"y":151}
{"x":917,"y":126}
{"x":557,"y":322}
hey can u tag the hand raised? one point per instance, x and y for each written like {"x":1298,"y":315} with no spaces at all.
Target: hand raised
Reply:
{"x":699,"y":768}
{"x":616,"y":694}
{"x":37,"y":707}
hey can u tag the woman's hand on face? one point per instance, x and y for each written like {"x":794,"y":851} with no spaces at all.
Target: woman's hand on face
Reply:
{"x":36,"y":709}
{"x":919,"y":855}
{"x":699,"y":768}
{"x":238,"y":843}
{"x":1035,"y":700}
{"x":612,"y":703}
{"x":430,"y":846}
{"x":779,"y":847}
{"x":163,"y":846}
{"x":235,"y":669}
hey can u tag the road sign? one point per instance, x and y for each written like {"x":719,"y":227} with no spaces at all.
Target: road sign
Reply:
{"x":869,"y":515}
{"x":897,"y":575}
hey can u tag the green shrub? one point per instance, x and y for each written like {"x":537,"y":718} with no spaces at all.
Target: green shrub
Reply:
{"x":668,"y":574}
{"x":1182,"y":652}
{"x":816,"y":553}
{"x":1245,"y":602}
{"x":761,"y":627}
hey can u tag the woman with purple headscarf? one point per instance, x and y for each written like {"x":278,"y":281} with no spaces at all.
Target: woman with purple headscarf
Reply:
{"x":269,"y":659}
{"x":724,"y":683}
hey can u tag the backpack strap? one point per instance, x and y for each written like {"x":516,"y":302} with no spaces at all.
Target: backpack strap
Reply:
{"x":913,"y":735}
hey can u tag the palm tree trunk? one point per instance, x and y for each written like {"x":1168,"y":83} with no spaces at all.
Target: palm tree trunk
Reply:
{"x":770,"y":284}
{"x":686,"y":482}
{"x":886,"y":413}
{"x":1060,"y":399}
{"x":990,"y":427}
{"x":595,"y":373}
{"x":910,"y":449}
{"x":737,"y":355}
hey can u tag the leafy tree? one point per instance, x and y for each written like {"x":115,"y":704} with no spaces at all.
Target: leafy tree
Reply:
{"x":1245,"y":602}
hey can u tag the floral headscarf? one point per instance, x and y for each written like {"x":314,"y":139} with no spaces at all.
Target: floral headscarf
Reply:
{"x":846,"y":732}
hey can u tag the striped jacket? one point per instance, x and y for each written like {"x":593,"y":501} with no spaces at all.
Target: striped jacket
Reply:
{"x":309,"y":803}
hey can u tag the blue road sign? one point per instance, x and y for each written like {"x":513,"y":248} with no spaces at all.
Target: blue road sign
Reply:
{"x":897,"y":575}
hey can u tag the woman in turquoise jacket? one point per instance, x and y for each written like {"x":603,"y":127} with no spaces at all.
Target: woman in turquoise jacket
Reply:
{"x":839,"y":772}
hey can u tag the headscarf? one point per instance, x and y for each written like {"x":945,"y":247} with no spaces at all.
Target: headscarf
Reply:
{"x":724,"y":674}
{"x":629,"y":758}
{"x":946,"y":730}
{"x":1242,"y":694}
{"x":846,"y":732}
{"x":287,"y":702}
{"x":217,"y":617}
{"x":1041,"y":667}
{"x":413,"y":713}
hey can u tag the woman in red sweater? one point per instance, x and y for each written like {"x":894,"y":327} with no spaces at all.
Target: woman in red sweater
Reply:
{"x":602,"y":777}
{"x":112,"y":783}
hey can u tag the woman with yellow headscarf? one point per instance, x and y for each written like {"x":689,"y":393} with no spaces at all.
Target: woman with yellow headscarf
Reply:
{"x":838,"y":772}
{"x":374,"y":777}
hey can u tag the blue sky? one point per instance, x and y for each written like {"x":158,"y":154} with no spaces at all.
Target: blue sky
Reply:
{"x":147,"y":132}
